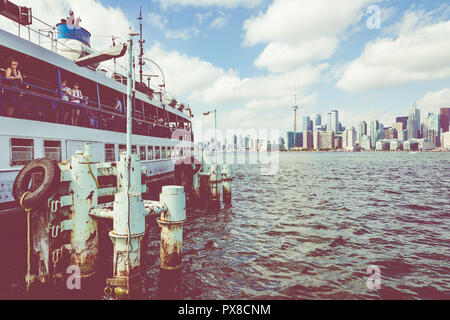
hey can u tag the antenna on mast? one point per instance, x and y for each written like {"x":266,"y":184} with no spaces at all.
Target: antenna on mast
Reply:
{"x":141,"y":46}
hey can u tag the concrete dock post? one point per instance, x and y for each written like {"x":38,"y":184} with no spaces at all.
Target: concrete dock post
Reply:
{"x":171,"y":223}
{"x":84,"y":234}
{"x":227,"y":178}
{"x":128,"y":228}
{"x":214,"y":181}
{"x":196,"y":182}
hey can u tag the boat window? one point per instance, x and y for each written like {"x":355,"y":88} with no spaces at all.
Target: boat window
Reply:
{"x":110,"y":152}
{"x":134,"y":150}
{"x":169,"y":153}
{"x":150,"y":112}
{"x":173,"y":153}
{"x":52,"y":150}
{"x":122,"y":149}
{"x":142,"y":153}
{"x":157,"y":153}
{"x":22,"y":151}
{"x":150,"y":152}
{"x":163,"y":152}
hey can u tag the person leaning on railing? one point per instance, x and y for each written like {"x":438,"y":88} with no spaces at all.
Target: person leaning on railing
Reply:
{"x":66,"y":94}
{"x":76,"y":97}
{"x":14,"y":77}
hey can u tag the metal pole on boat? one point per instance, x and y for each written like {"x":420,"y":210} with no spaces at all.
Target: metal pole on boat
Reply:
{"x":130,"y":89}
{"x":163,"y":80}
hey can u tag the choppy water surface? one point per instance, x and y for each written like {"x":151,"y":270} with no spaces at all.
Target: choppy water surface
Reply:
{"x":312,"y":230}
{"x":309,"y":232}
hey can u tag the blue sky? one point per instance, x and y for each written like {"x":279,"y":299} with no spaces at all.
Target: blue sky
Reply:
{"x":245,"y":57}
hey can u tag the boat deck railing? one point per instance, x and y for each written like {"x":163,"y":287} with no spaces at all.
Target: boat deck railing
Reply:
{"x":39,"y":103}
{"x":47,"y":37}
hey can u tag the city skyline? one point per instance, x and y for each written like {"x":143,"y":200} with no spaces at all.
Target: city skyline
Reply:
{"x":421,"y":130}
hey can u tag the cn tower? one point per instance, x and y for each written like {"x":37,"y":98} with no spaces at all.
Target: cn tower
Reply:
{"x":295,"y":107}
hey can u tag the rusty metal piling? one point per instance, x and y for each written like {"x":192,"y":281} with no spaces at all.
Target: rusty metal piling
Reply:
{"x":227,"y":178}
{"x":171,"y":224}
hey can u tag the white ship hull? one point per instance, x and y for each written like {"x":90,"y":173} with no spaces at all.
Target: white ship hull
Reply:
{"x":73,"y":139}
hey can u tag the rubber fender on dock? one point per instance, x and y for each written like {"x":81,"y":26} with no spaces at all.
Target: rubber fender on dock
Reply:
{"x":52,"y":176}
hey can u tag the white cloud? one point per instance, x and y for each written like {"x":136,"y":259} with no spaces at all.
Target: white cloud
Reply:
{"x":228,"y":4}
{"x":300,"y":32}
{"x":419,"y":52}
{"x":113,"y":21}
{"x":157,"y":20}
{"x":435,"y":100}
{"x":202,"y":17}
{"x":204,"y":85}
{"x":279,"y":57}
{"x":160,"y":22}
{"x":184,"y":34}
{"x":220,"y":21}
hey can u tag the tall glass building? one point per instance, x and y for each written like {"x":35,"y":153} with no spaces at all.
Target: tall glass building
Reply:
{"x":374,"y":126}
{"x":290,"y":140}
{"x":317,"y":120}
{"x":445,"y":119}
{"x":307,"y":124}
{"x":362,"y":131}
{"x":299,"y":139}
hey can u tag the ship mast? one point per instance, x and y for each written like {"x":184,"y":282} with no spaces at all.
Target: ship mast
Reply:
{"x":141,"y":46}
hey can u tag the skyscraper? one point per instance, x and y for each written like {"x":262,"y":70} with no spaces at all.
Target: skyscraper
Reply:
{"x":445,"y":119}
{"x":308,"y":140}
{"x":432,"y":128}
{"x":417,"y":124}
{"x":307,"y":124}
{"x":334,"y":121}
{"x":299,"y":139}
{"x":290,"y":140}
{"x":403,"y":121}
{"x":328,"y":121}
{"x":349,"y":139}
{"x":362,"y":131}
{"x":374,"y":126}
{"x":366,"y":143}
{"x":318,"y":120}
{"x":411,"y":127}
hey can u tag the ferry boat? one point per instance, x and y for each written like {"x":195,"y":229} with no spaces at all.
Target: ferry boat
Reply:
{"x":45,"y":124}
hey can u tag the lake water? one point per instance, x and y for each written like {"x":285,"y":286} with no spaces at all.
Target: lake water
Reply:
{"x":312,"y":230}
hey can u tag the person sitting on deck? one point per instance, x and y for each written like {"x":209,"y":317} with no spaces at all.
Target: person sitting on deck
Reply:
{"x":77,"y":96}
{"x":14,"y":76}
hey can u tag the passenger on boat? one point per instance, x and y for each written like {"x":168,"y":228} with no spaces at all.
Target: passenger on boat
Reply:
{"x":66,"y":94}
{"x":118,"y":105}
{"x":77,"y":96}
{"x":14,"y":77}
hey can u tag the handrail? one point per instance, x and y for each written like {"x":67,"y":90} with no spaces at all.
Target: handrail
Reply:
{"x":85,"y":106}
{"x":32,"y":85}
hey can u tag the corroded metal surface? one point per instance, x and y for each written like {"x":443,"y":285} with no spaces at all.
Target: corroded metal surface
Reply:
{"x":227,"y":178}
{"x":171,"y":224}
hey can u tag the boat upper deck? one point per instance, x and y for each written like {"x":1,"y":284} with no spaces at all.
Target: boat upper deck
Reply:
{"x":40,"y":97}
